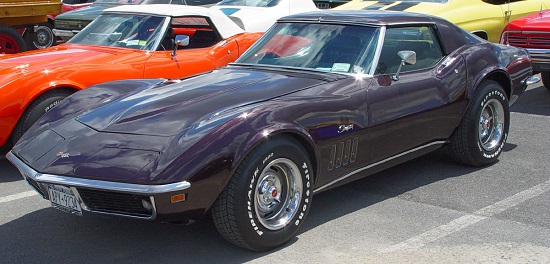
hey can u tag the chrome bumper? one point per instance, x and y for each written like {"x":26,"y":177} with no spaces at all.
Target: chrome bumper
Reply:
{"x":65,"y":33}
{"x":39,"y":182}
{"x":540,"y":58}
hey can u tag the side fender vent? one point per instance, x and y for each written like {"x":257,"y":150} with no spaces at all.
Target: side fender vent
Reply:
{"x":343,"y":153}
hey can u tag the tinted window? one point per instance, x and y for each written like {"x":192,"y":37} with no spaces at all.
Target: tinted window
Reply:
{"x":324,"y":47}
{"x":421,"y":40}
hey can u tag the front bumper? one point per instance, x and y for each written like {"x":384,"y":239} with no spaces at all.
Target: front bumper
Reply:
{"x":110,"y":198}
{"x":65,"y":35}
{"x":540,"y":58}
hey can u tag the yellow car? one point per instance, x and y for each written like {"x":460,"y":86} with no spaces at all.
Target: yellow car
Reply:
{"x":484,"y":18}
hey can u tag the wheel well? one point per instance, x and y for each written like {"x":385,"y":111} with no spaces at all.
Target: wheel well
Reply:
{"x":307,"y":147}
{"x":71,"y":90}
{"x":503,"y":80}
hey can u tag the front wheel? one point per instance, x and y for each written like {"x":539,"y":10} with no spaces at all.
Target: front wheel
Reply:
{"x":267,"y":198}
{"x":36,"y":109}
{"x":545,"y":76}
{"x":481,"y":135}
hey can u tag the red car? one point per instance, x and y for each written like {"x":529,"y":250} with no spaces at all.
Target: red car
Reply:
{"x":533,"y":33}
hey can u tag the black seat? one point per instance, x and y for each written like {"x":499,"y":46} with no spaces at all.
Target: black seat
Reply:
{"x":168,"y":40}
{"x":203,"y":39}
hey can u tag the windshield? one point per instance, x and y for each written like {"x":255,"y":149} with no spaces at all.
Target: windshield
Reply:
{"x":117,"y":30}
{"x":335,"y":48}
{"x":257,"y":3}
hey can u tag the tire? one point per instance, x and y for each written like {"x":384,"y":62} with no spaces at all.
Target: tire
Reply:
{"x":10,"y":41}
{"x":481,"y":135}
{"x":36,"y":109}
{"x":545,"y":76}
{"x":41,"y":38}
{"x":247,"y":212}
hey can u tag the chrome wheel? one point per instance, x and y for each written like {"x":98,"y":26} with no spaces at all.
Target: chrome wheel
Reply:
{"x":278,"y":193}
{"x":491,"y":125}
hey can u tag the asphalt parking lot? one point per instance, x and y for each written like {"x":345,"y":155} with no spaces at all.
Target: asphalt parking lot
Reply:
{"x":429,"y":210}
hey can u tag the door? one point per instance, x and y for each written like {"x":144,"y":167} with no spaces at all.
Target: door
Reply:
{"x":418,"y":106}
{"x":206,"y":50}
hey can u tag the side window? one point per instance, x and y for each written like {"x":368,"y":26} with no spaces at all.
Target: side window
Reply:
{"x":420,"y":39}
{"x":199,"y":29}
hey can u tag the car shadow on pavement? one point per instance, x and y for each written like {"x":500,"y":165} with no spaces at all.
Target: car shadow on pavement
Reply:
{"x":8,"y":173}
{"x":535,"y":101}
{"x":48,"y":236}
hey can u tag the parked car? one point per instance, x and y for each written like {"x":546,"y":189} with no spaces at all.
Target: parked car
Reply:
{"x":20,"y":22}
{"x":533,"y":33}
{"x":70,"y":23}
{"x":124,"y":42}
{"x":321,"y":99}
{"x":484,"y":18}
{"x":258,"y":16}
{"x":327,"y":4}
{"x":70,"y":5}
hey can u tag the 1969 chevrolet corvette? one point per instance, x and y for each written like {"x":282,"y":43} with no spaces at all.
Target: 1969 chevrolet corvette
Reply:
{"x":321,"y":99}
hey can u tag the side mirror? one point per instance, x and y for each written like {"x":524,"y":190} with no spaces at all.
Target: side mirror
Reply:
{"x":408,"y":57}
{"x":181,"y":41}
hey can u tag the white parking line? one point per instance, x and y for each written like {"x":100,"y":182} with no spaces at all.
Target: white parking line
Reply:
{"x":468,"y":220}
{"x":17,"y":196}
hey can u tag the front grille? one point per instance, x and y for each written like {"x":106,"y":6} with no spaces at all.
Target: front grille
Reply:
{"x":531,"y":40}
{"x":114,"y":202}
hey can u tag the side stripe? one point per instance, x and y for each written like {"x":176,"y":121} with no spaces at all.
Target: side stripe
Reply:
{"x":377,"y":5}
{"x":402,"y":6}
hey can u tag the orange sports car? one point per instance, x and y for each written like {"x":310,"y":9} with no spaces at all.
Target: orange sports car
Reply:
{"x":143,"y":41}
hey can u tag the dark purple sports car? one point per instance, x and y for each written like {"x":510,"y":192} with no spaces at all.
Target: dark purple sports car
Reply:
{"x":321,"y":99}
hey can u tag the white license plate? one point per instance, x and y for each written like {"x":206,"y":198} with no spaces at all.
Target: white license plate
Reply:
{"x":64,"y":199}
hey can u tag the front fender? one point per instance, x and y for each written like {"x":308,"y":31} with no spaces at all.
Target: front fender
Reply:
{"x":211,"y":160}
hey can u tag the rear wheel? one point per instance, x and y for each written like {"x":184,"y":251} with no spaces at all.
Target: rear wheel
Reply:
{"x":268,"y":197}
{"x":41,"y":38}
{"x":10,"y":41}
{"x":481,"y":135}
{"x":36,"y":109}
{"x":545,"y":76}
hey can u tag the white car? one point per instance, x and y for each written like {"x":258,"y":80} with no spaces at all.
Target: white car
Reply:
{"x":259,"y":15}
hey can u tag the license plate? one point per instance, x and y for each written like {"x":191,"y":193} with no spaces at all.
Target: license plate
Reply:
{"x":322,"y":5}
{"x":64,"y":199}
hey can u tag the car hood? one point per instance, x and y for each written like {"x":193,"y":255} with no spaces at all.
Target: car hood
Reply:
{"x":170,"y":109}
{"x":533,"y":22}
{"x":57,"y":57}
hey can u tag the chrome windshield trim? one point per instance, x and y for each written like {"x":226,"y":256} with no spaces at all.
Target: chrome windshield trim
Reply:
{"x":376,"y":164}
{"x":381,"y":37}
{"x":95,"y":184}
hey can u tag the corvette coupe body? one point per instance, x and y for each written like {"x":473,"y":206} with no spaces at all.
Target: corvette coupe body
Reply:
{"x":484,"y":18}
{"x":125,"y":42}
{"x":532,"y":32}
{"x":258,"y":16}
{"x":321,"y":99}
